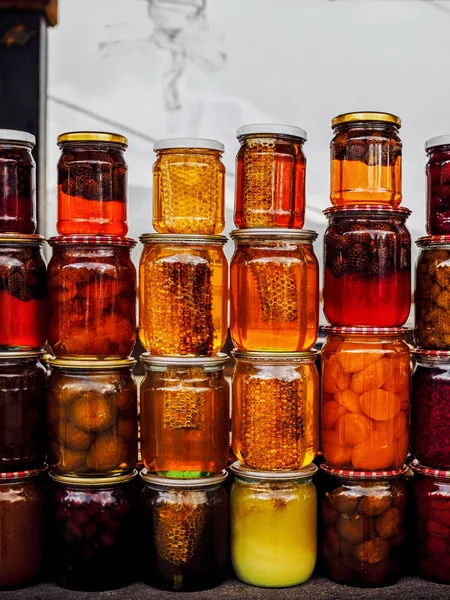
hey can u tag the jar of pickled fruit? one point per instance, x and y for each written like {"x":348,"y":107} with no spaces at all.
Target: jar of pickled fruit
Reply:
{"x":183,"y":304}
{"x":367,"y":264}
{"x":364,"y":529}
{"x":274,"y":292}
{"x":366,"y":377}
{"x":273,"y":526}
{"x":23,"y":292}
{"x":17,"y":182}
{"x":189,"y":186}
{"x":22,"y":520}
{"x":92,"y":184}
{"x":438,"y":185}
{"x":92,"y":296}
{"x":23,"y":439}
{"x":92,"y":417}
{"x":275,"y":410}
{"x":185,"y":415}
{"x":185,"y":532}
{"x":366,"y":159}
{"x":93,"y":534}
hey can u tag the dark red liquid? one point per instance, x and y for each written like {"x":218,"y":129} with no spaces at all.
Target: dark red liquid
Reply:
{"x":17,"y":190}
{"x":438,"y":191}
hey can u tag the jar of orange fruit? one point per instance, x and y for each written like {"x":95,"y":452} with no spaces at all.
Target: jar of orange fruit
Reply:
{"x":366,"y":376}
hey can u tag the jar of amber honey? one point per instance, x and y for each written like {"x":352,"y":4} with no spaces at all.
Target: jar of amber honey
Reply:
{"x":92,"y":296}
{"x":92,"y":184}
{"x":189,"y":186}
{"x":438,"y":185}
{"x":366,"y":159}
{"x":183,"y":283}
{"x":17,"y":182}
{"x":274,"y":295}
{"x":92,"y":417}
{"x":275,"y":410}
{"x":366,"y":377}
{"x":270,"y":176}
{"x":185,"y":415}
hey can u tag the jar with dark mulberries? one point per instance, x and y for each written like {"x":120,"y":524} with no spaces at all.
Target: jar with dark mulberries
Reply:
{"x":438,"y":185}
{"x":92,"y":184}
{"x":367,"y":265}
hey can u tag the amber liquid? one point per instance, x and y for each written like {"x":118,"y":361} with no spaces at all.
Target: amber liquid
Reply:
{"x":90,"y":217}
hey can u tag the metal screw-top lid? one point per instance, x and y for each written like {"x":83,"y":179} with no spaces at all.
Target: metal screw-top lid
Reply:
{"x":14,"y":135}
{"x":438,"y":140}
{"x":272,"y":129}
{"x":275,"y":476}
{"x":92,"y":136}
{"x":189,"y":144}
{"x":355,"y":117}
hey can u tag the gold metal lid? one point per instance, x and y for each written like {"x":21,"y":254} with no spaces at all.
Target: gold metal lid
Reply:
{"x":29,"y":239}
{"x":93,"y":481}
{"x":184,"y":361}
{"x":181,"y":238}
{"x":354,"y":117}
{"x":92,"y":136}
{"x":88,"y":362}
{"x":297,"y":235}
{"x":18,"y":354}
{"x":170,"y":482}
{"x":278,"y":476}
{"x":277,"y":356}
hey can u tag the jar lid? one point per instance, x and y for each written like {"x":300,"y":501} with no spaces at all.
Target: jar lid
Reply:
{"x":360,"y":474}
{"x":307,"y":472}
{"x":433,"y":240}
{"x":188,"y":143}
{"x":281,"y":356}
{"x":180,"y":238}
{"x":92,"y":240}
{"x":272,"y":129}
{"x":93,"y":481}
{"x":367,"y":330}
{"x":28,"y":239}
{"x":443,"y":354}
{"x":376,"y":209}
{"x":18,"y":354}
{"x":354,"y":117}
{"x":423,"y":470}
{"x":439,"y":140}
{"x":14,"y":135}
{"x":92,"y":136}
{"x":300,"y":235}
{"x":184,"y":361}
{"x":16,"y":475}
{"x":88,"y":362}
{"x":170,"y":482}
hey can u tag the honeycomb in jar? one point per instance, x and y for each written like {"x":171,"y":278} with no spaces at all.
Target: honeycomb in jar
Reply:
{"x":178,"y":531}
{"x":183,"y":402}
{"x":258,"y":182}
{"x":277,"y":289}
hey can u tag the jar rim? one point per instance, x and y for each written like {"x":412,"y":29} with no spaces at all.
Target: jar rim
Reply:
{"x":18,"y":354}
{"x":298,"y":235}
{"x":364,"y":474}
{"x":438,"y":140}
{"x":20,"y":475}
{"x":171,"y":482}
{"x":305,"y":473}
{"x":92,"y":136}
{"x":29,"y":239}
{"x":390,"y":331}
{"x":188,"y":144}
{"x":181,"y":238}
{"x":91,"y":363}
{"x":310,"y":355}
{"x":417,"y":467}
{"x":93,"y":481}
{"x":210,"y":361}
{"x":274,"y":129}
{"x":91,"y":240}
{"x":431,"y":355}
{"x":369,"y":116}
{"x":433,"y":241}
{"x":371,"y":210}
{"x":16,"y":135}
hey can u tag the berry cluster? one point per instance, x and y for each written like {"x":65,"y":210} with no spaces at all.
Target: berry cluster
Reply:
{"x":22,"y":273}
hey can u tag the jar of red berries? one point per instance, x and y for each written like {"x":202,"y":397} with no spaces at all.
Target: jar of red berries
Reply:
{"x":438,"y":185}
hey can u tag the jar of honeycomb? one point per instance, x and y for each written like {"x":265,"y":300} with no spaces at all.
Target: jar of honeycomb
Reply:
{"x":189,"y":186}
{"x":366,"y":378}
{"x":364,"y":526}
{"x":273,"y":526}
{"x":274,"y":295}
{"x":92,"y":184}
{"x":367,"y":263}
{"x":275,"y":410}
{"x":92,"y":417}
{"x":185,"y":528}
{"x":17,"y":182}
{"x":270,"y":176}
{"x":366,"y":159}
{"x":183,"y":283}
{"x":92,"y":296}
{"x":184,"y":415}
{"x":438,"y":185}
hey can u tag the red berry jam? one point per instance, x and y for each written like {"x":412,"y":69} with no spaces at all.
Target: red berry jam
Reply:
{"x":438,"y":185}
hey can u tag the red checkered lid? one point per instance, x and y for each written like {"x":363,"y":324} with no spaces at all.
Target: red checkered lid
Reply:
{"x":95,"y":240}
{"x":381,"y":209}
{"x":435,"y":240}
{"x":368,"y":475}
{"x":444,"y":354}
{"x":15,"y":475}
{"x":366,"y":330}
{"x":423,"y":470}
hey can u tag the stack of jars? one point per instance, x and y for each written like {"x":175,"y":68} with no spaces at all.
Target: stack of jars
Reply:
{"x":274,"y":326}
{"x":184,"y":397}
{"x":365,"y":361}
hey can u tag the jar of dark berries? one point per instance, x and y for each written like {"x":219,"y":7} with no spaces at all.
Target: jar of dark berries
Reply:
{"x":363,"y":520}
{"x":438,"y":185}
{"x":367,"y":264}
{"x":93,"y":531}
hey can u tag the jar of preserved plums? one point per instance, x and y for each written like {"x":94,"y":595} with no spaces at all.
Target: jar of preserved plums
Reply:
{"x":273,"y":526}
{"x":183,"y":283}
{"x":185,"y":528}
{"x":275,"y":410}
{"x":184,"y":415}
{"x":274,"y":291}
{"x":189,"y":186}
{"x":92,"y":296}
{"x":23,"y":292}
{"x":366,"y":377}
{"x":363,"y":521}
{"x":17,"y":182}
{"x":438,"y":185}
{"x":93,"y":534}
{"x":367,"y":264}
{"x":22,"y":521}
{"x":92,"y":184}
{"x":92,"y":417}
{"x":366,"y":159}
{"x":270,"y":176}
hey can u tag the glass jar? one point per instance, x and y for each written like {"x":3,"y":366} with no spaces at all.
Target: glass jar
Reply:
{"x":23,"y":439}
{"x":273,"y":526}
{"x":366,"y":376}
{"x":189,"y":186}
{"x":274,"y":292}
{"x":22,"y":520}
{"x":93,"y":531}
{"x":92,"y":417}
{"x":23,"y":292}
{"x":183,"y":284}
{"x":92,"y":184}
{"x":367,"y":264}
{"x":366,"y":159}
{"x":92,"y":296}
{"x":275,"y":410}
{"x":185,"y":532}
{"x":17,"y":182}
{"x":270,"y":176}
{"x":185,"y":416}
{"x":364,"y":529}
{"x":438,"y":185}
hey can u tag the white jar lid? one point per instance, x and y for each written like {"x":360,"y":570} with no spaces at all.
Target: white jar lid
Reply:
{"x":193,"y":143}
{"x":272,"y":129}
{"x":439,"y":140}
{"x":14,"y":135}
